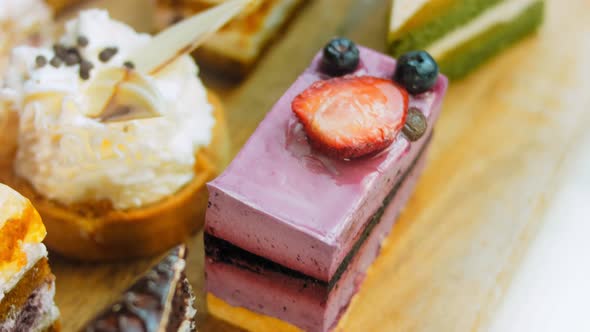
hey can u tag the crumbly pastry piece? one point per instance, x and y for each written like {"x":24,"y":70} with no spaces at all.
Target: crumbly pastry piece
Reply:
{"x":27,"y":286}
{"x":461,"y":34}
{"x":160,"y":301}
{"x":347,"y":152}
{"x":111,"y":189}
{"x":234,"y":49}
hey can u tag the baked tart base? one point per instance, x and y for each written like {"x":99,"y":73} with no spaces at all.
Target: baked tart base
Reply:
{"x":97,"y":232}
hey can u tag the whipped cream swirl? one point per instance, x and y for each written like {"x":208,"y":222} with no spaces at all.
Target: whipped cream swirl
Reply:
{"x":71,"y":157}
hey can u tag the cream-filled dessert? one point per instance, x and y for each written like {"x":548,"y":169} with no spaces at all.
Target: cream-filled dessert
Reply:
{"x":105,"y":141}
{"x":298,"y":217}
{"x":69,"y":155}
{"x":27,"y":286}
{"x":235,"y":48}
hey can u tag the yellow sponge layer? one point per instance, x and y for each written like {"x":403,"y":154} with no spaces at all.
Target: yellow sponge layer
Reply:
{"x":246,"y":319}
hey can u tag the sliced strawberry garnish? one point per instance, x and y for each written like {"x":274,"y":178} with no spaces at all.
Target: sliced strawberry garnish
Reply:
{"x":351,"y":116}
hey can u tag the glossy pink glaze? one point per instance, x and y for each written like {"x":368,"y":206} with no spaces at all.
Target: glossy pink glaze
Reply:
{"x":281,"y":200}
{"x":305,"y":304}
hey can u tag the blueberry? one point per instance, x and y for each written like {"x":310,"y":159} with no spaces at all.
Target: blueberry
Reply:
{"x":341,"y":56}
{"x":416,"y":71}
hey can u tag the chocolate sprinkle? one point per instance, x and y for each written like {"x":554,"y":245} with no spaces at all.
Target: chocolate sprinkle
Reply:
{"x":129,"y":65}
{"x":107,"y":54}
{"x":82,"y":41}
{"x":40,"y":61}
{"x":85,"y":68}
{"x":72,"y":57}
{"x":55,"y":62}
{"x":60,"y":51}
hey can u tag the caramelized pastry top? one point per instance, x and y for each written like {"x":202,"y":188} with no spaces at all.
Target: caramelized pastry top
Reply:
{"x":21,"y":233}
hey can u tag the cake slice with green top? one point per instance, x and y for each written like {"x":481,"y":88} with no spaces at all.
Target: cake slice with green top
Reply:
{"x":461,"y":34}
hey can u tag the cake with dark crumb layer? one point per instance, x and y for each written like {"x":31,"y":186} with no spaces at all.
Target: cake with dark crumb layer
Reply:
{"x":296,"y":220}
{"x":461,"y":34}
{"x":161,"y":300}
{"x":27,"y":285}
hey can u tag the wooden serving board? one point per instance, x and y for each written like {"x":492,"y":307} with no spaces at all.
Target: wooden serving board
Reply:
{"x":499,"y":145}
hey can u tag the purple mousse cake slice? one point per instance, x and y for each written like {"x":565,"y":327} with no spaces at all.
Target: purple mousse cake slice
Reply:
{"x":291,"y":228}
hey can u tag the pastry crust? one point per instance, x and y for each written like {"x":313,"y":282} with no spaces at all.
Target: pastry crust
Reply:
{"x":96,"y":232}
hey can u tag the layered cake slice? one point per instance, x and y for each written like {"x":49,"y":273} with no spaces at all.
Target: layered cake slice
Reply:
{"x":461,"y":34}
{"x":27,"y":286}
{"x":298,"y":217}
{"x":235,"y":48}
{"x":160,"y":301}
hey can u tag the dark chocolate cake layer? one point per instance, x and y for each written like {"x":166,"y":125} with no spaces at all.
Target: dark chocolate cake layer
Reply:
{"x":160,"y":301}
{"x":223,"y":251}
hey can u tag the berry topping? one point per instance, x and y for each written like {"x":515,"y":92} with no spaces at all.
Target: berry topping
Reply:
{"x":416,"y":71}
{"x":341,"y":56}
{"x":349,"y":117}
{"x":415,"y":125}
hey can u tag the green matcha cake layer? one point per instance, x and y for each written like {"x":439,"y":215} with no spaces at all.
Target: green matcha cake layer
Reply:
{"x":433,"y":21}
{"x":468,"y":56}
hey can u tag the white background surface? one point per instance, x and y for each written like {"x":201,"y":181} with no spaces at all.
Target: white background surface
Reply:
{"x":551,"y":288}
